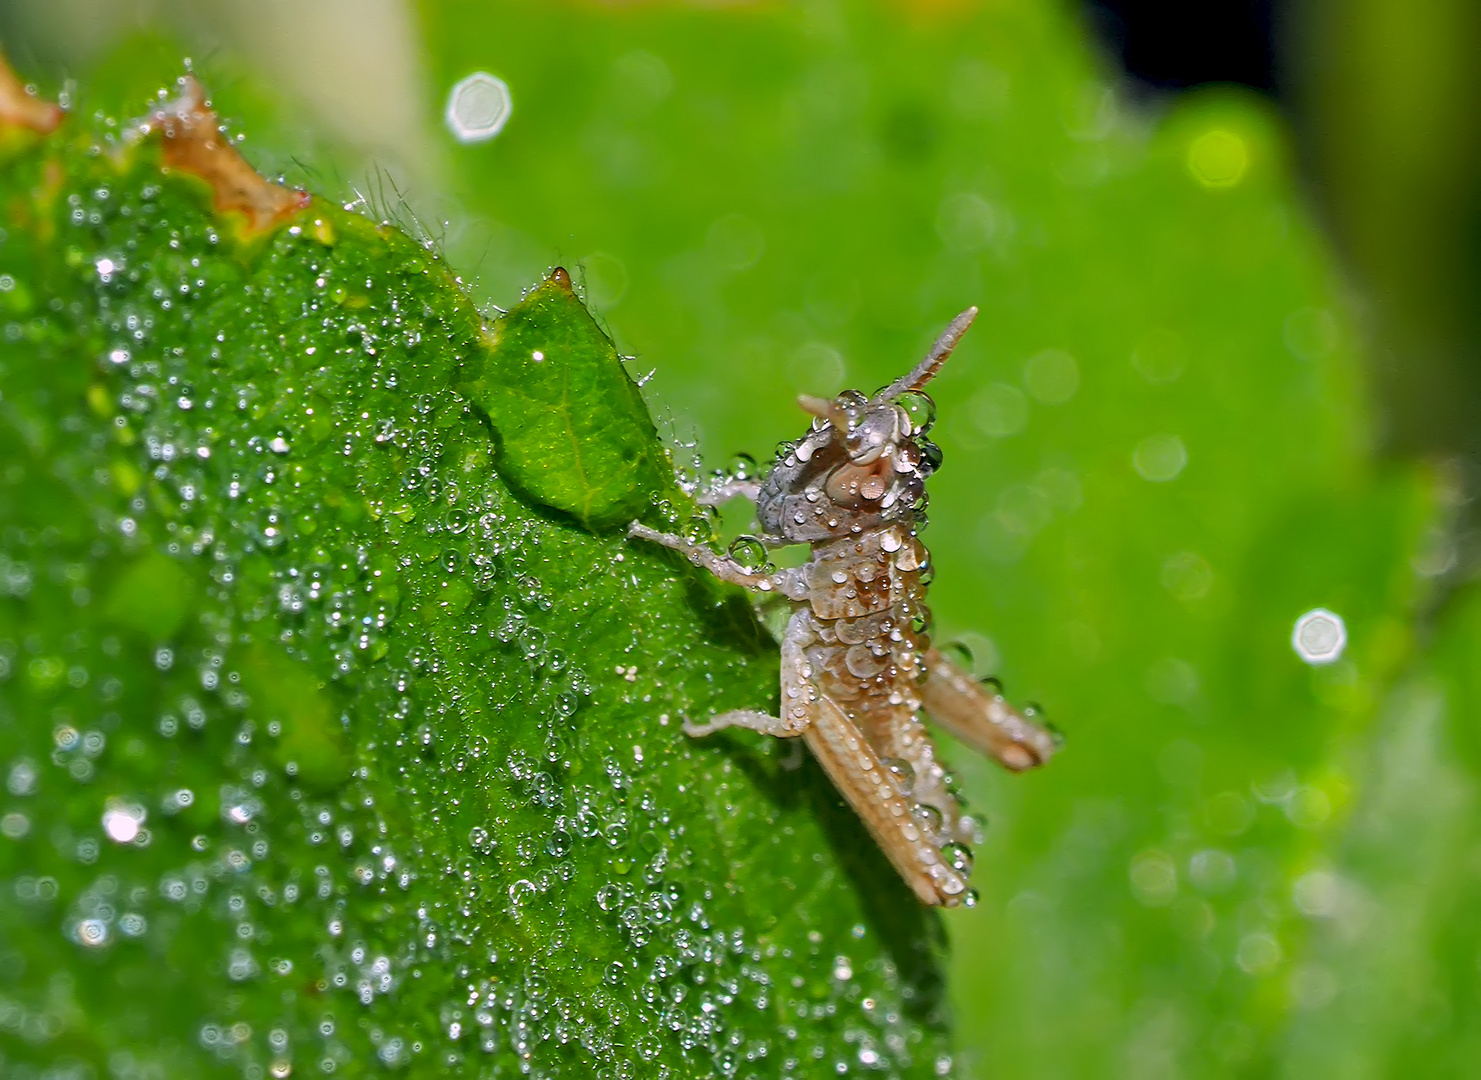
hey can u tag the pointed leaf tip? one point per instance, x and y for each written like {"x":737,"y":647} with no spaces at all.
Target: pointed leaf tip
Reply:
{"x":574,"y":432}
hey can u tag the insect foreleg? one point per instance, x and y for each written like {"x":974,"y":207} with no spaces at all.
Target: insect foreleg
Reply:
{"x":862,"y":779}
{"x":788,"y":583}
{"x":981,"y":719}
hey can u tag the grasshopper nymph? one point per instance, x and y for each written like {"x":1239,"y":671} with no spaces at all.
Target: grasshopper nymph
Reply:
{"x":857,"y":665}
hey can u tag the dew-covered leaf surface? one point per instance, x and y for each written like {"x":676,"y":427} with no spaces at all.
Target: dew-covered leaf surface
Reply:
{"x":325,"y":751}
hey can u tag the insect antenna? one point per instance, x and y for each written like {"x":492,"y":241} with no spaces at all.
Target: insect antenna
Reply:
{"x":824,"y":409}
{"x":927,"y":368}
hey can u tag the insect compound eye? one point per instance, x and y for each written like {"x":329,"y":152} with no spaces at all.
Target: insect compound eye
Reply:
{"x":919,"y":410}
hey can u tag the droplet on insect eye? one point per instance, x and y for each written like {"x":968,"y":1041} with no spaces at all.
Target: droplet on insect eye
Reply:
{"x":919,"y":409}
{"x":958,"y":857}
{"x":903,"y":772}
{"x":749,"y":552}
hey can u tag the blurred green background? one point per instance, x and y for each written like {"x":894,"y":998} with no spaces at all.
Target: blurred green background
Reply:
{"x":1180,"y":424}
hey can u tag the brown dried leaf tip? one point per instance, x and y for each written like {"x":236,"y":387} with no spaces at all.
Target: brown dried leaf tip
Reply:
{"x":193,"y":143}
{"x":22,"y":109}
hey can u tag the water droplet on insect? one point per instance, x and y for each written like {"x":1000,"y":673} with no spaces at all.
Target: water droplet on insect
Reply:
{"x":958,"y":857}
{"x":749,"y":552}
{"x":903,"y":772}
{"x":919,"y":409}
{"x":929,"y":817}
{"x":698,"y":530}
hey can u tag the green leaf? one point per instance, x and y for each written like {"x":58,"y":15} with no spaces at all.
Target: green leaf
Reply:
{"x":152,"y":597}
{"x":328,"y":747}
{"x":549,"y":361}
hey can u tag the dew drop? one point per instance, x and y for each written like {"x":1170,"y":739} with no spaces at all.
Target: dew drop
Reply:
{"x":919,"y":409}
{"x":958,"y":857}
{"x":903,"y":772}
{"x":749,"y":552}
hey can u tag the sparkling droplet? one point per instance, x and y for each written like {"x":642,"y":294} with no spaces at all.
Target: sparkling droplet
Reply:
{"x":749,"y":552}
{"x":920,"y":410}
{"x":958,"y":857}
{"x":698,"y":530}
{"x":903,"y":772}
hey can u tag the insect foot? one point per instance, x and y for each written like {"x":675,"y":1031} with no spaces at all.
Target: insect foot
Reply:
{"x":858,"y":668}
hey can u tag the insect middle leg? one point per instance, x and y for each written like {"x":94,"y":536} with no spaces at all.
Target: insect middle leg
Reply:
{"x":983,"y":720}
{"x":798,"y":692}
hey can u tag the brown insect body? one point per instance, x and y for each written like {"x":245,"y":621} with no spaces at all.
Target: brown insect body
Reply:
{"x":857,"y":664}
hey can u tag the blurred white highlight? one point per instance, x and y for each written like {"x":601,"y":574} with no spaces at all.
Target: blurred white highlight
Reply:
{"x":1319,"y":637}
{"x":478,"y":107}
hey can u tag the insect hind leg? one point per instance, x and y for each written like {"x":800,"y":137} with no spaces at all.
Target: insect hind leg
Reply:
{"x":984,"y":721}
